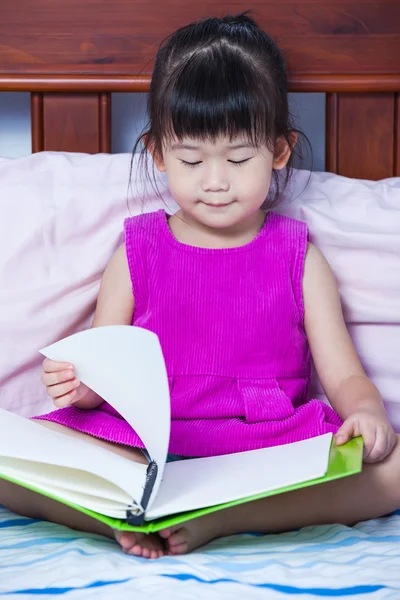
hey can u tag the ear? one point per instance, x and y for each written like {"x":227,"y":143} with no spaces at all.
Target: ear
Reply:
{"x":158,"y":160}
{"x":283,"y":150}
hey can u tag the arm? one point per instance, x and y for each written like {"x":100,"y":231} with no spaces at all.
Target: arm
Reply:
{"x":354,"y":397}
{"x":115,"y":306}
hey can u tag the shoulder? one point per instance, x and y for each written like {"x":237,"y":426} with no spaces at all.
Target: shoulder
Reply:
{"x":144,"y":231}
{"x":287,"y":225}
{"x":319,"y":282}
{"x":315,"y":264}
{"x":115,"y":301}
{"x":290,"y":238}
{"x":118,"y":265}
{"x":144,"y":222}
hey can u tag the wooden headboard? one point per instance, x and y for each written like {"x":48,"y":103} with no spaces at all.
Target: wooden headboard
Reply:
{"x":71,"y":54}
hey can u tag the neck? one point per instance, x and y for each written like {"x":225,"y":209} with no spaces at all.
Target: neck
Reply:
{"x":189,"y":231}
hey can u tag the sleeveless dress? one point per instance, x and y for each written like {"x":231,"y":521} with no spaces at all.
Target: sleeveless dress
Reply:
{"x":231,"y":325}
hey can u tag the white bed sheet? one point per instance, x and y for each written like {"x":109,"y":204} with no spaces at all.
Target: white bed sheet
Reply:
{"x":40,"y":559}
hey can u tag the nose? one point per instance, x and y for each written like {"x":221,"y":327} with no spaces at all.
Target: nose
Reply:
{"x":215,"y":179}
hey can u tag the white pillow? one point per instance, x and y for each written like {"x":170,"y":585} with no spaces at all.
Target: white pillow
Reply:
{"x":62,"y":217}
{"x":61,"y":221}
{"x":356,"y":224}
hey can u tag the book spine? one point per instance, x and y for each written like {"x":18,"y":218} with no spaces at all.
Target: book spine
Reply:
{"x":151,"y":476}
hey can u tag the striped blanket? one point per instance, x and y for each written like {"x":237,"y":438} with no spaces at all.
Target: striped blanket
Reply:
{"x":43,"y":559}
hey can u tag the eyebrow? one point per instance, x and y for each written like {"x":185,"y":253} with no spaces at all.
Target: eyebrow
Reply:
{"x":192,"y":147}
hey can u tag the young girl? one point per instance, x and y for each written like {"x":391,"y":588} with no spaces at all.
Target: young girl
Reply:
{"x":238,"y":297}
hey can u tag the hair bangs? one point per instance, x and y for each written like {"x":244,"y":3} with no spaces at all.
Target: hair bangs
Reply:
{"x":215,"y":93}
{"x":221,"y":77}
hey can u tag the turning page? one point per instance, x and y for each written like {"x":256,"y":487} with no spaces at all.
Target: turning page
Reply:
{"x":70,"y":468}
{"x":125,"y":366}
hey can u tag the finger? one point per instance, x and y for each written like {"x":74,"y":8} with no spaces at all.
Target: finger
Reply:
{"x":65,"y":400}
{"x":345,"y":432}
{"x":55,"y":391}
{"x":382,"y":446}
{"x":57,"y":377}
{"x":370,"y":436}
{"x":49,"y":366}
{"x":392,"y":441}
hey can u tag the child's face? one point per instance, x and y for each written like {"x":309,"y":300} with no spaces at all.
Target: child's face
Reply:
{"x":219,"y":183}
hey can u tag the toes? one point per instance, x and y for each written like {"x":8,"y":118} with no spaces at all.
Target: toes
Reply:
{"x":139,"y":544}
{"x":136,"y":550}
{"x":146,"y":552}
{"x":125,"y":539}
{"x":181,"y":548}
{"x":166,"y":533}
{"x":178,"y":542}
{"x":177,"y":538}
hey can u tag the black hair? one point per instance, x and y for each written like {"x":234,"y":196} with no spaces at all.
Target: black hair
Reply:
{"x":220,"y":76}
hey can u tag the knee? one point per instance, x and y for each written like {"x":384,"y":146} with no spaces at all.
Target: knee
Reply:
{"x":391,"y":482}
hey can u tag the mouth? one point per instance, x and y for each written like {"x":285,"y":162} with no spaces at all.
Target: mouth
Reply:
{"x":217,"y":204}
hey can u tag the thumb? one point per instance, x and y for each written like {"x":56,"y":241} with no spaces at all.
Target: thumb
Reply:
{"x":345,"y":432}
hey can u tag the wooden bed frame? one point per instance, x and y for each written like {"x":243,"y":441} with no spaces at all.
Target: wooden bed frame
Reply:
{"x":71,"y":54}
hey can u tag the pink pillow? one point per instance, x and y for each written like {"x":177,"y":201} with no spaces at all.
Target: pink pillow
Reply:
{"x":62,"y":218}
{"x":356,"y":224}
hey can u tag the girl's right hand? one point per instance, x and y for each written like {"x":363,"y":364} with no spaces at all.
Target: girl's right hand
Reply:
{"x":61,"y":384}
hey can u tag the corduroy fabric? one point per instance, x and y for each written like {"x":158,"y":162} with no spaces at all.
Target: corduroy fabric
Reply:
{"x":231,"y":326}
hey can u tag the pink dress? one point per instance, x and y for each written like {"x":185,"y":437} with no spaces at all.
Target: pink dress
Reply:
{"x":231,"y":326}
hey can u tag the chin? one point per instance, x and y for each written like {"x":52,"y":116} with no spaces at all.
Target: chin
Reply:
{"x":218,"y":218}
{"x":219,"y":221}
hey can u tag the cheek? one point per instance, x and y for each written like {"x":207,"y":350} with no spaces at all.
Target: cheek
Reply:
{"x":256,"y":184}
{"x":179,"y":182}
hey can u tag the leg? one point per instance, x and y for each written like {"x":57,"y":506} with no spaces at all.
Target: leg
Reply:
{"x":33,"y":505}
{"x":371,"y":494}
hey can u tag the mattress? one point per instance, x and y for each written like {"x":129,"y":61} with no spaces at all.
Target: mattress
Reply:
{"x":44,"y":559}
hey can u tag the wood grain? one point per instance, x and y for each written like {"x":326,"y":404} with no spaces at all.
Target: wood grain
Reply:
{"x":72,"y":55}
{"x":331,"y":132}
{"x":365,"y":135}
{"x":317,"y":36}
{"x":71,"y":122}
{"x":140,"y":83}
{"x":37,"y":122}
{"x":396,"y":135}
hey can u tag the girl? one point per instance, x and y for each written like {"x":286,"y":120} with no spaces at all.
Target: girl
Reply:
{"x":238,"y":297}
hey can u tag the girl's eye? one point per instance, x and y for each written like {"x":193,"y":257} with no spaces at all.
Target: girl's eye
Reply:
{"x":234,"y":162}
{"x":239,"y":162}
{"x":190,"y":164}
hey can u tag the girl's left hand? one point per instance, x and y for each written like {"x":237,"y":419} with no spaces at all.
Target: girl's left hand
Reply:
{"x":375,"y":429}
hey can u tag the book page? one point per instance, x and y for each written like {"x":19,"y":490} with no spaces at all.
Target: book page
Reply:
{"x":70,"y":485}
{"x":125,"y":366}
{"x":200,"y":482}
{"x":24,"y":443}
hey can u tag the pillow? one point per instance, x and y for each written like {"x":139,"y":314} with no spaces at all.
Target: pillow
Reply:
{"x":61,"y":221}
{"x":62,"y":217}
{"x":356,"y":224}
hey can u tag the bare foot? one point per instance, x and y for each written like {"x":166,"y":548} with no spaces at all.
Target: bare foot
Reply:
{"x":181,"y":539}
{"x":140,"y":544}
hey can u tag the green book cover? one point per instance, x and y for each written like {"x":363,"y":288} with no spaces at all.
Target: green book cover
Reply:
{"x":343,"y":461}
{"x":125,"y":366}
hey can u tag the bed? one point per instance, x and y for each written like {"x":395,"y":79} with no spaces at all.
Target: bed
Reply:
{"x":70,"y":56}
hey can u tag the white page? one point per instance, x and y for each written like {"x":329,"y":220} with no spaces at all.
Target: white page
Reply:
{"x":125,"y":366}
{"x":101,"y":504}
{"x":200,"y":482}
{"x":27,"y":440}
{"x":64,"y":478}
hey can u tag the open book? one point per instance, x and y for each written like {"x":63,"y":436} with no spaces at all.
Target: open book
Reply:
{"x":125,"y":366}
